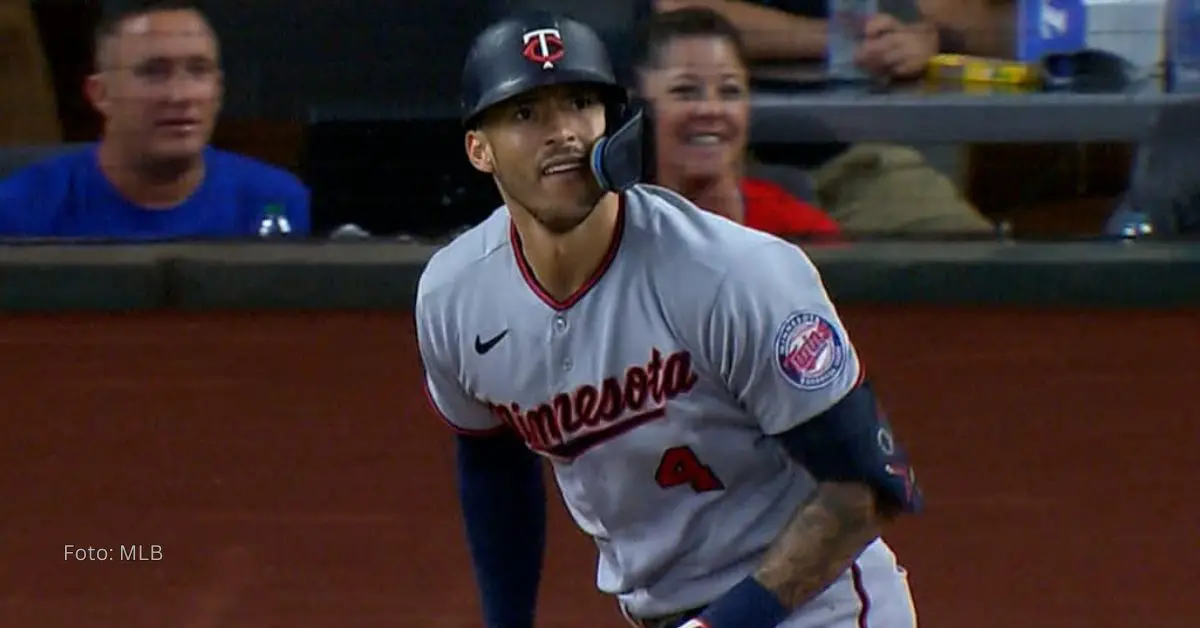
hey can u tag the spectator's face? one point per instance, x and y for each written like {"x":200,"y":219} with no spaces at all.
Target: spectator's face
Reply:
{"x":537,"y":147}
{"x":159,"y":85}
{"x":700,"y":93}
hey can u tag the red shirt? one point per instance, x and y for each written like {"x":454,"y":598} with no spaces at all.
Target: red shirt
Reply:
{"x":772,"y":209}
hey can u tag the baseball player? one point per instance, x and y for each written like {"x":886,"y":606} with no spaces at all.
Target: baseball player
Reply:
{"x":705,"y":413}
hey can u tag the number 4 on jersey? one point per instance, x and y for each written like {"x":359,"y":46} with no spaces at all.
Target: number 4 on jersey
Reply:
{"x":680,"y":466}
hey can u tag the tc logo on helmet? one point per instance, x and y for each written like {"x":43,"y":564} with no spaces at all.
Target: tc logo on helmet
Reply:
{"x":543,"y":46}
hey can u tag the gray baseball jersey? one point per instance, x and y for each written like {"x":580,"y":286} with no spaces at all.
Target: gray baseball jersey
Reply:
{"x":652,"y":390}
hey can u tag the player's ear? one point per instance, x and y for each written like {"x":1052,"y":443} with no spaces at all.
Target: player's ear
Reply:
{"x":96,"y":93}
{"x":479,"y":152}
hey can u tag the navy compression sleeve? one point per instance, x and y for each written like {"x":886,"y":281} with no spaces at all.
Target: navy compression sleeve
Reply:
{"x":504,"y":508}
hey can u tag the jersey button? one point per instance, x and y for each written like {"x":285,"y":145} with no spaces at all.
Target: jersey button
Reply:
{"x":567,"y":364}
{"x":560,"y":323}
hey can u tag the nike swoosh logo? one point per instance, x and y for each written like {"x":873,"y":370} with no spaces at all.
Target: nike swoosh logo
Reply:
{"x":482,"y":347}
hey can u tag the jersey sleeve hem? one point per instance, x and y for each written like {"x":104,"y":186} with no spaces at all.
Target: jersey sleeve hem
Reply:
{"x":458,"y":429}
{"x":775,"y":428}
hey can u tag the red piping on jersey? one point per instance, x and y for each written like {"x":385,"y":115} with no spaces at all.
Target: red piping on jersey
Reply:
{"x":574,"y":297}
{"x":860,"y":590}
{"x":445,"y":419}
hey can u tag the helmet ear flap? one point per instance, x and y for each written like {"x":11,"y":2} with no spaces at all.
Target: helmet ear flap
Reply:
{"x":625,"y":156}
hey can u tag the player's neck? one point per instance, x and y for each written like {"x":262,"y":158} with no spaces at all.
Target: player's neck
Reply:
{"x":147,"y":185}
{"x":563,"y":263}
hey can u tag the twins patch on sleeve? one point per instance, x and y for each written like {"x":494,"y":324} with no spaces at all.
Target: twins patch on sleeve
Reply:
{"x":810,"y":352}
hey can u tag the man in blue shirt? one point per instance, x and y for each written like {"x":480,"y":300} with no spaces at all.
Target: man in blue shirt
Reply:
{"x":158,"y":85}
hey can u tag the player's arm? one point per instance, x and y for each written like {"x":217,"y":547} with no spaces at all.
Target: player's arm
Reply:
{"x":777,"y":341}
{"x":500,"y":488}
{"x":504,"y":509}
{"x":864,"y":481}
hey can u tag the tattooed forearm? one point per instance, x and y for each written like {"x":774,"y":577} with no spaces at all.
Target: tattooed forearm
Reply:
{"x":823,"y":538}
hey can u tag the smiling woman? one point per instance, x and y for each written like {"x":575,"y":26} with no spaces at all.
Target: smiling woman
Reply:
{"x":692,"y":70}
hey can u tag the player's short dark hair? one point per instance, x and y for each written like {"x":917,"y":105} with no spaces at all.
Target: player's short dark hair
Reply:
{"x":663,"y":28}
{"x":117,"y":13}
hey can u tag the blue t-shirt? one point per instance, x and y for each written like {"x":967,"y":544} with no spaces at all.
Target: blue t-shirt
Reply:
{"x":69,"y":197}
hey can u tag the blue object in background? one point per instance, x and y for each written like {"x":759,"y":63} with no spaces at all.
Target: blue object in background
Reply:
{"x":1183,"y":45}
{"x":1047,"y":27}
{"x":68,"y":196}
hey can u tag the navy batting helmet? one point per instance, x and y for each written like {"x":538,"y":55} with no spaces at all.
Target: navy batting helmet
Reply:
{"x":531,"y":50}
{"x":538,"y":49}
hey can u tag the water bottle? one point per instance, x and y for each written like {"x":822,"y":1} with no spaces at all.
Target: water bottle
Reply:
{"x":845,"y":27}
{"x":274,"y":223}
{"x":1183,"y":46}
